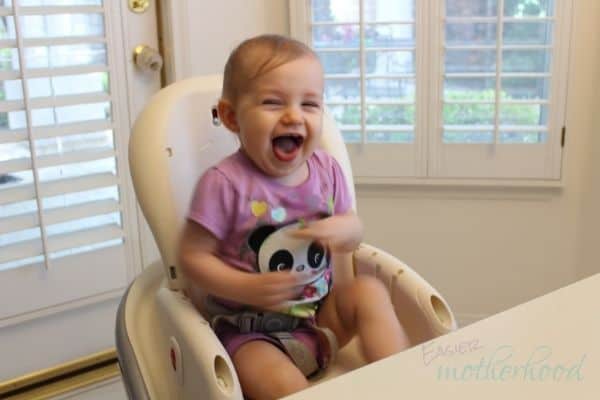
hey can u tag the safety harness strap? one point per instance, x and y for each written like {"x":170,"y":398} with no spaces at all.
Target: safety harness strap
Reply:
{"x":298,"y":352}
{"x":279,"y":326}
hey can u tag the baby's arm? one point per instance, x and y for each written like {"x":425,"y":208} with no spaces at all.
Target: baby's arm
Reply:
{"x":197,"y":256}
{"x":341,"y":233}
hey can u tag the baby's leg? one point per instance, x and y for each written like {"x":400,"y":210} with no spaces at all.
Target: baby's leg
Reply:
{"x":363,"y":306}
{"x":265,"y":372}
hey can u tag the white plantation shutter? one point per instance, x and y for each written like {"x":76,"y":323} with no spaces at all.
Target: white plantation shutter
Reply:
{"x":470,"y":89}
{"x":501,"y":70}
{"x":61,"y":195}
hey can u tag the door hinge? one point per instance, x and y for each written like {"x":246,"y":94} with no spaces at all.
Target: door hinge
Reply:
{"x":562,"y":136}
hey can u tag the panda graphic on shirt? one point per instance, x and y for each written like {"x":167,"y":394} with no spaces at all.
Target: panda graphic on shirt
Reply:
{"x":277,"y":250}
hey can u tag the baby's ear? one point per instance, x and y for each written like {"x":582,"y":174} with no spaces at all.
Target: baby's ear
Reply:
{"x":227,"y":115}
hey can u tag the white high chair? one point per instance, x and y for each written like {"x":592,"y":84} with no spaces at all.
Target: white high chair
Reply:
{"x":166,"y":349}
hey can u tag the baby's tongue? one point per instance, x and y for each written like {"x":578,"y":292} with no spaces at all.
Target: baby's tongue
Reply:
{"x":285,"y":148}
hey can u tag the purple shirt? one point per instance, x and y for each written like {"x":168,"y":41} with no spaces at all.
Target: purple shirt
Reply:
{"x":234,"y":198}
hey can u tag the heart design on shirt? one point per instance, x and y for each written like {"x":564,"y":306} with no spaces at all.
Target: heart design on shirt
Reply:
{"x":258,"y":208}
{"x":278,"y":214}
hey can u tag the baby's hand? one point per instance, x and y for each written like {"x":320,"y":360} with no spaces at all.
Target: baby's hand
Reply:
{"x":341,"y":233}
{"x":269,"y":290}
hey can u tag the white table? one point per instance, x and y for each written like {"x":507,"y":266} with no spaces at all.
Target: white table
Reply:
{"x":544,"y":349}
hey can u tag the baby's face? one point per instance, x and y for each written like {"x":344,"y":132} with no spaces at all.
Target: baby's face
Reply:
{"x":280,"y":117}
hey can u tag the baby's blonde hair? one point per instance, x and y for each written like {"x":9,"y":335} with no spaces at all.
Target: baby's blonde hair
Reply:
{"x":257,"y":56}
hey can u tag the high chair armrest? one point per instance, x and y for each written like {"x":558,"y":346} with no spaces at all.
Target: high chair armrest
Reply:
{"x":200,"y":365}
{"x":422,"y":311}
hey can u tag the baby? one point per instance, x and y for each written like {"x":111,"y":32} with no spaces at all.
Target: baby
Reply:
{"x":271,"y":230}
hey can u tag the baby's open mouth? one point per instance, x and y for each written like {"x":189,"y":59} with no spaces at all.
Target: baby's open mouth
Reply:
{"x":286,"y":147}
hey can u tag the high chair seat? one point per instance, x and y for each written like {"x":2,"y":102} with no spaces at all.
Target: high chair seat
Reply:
{"x":166,"y":348}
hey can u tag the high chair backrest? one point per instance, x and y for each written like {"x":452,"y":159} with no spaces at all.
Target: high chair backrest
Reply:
{"x":174,"y":140}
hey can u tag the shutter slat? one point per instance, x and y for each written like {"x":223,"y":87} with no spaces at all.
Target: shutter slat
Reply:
{"x":55,"y":188}
{"x":18,"y":222}
{"x":49,"y":10}
{"x":71,"y":129}
{"x":18,"y":135}
{"x":19,"y":164}
{"x":78,"y":184}
{"x":84,"y":210}
{"x":69,"y":100}
{"x":58,"y":215}
{"x":83,"y":238}
{"x":57,"y":41}
{"x":21,"y":250}
{"x":11,"y":105}
{"x":74,"y":157}
{"x":62,"y":71}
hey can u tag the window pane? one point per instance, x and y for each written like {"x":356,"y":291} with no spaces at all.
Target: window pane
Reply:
{"x":66,"y":144}
{"x":78,"y":169}
{"x":462,"y":61}
{"x":526,"y":88}
{"x":523,"y":114}
{"x":388,"y":10}
{"x":7,"y":27}
{"x":22,"y":207}
{"x":351,"y":136}
{"x":342,"y":90}
{"x":15,"y":179}
{"x":390,"y":89}
{"x":68,"y":114}
{"x":469,"y":114}
{"x":390,"y":115}
{"x":68,"y":85}
{"x":468,"y":137}
{"x":63,"y":25}
{"x":390,"y":62}
{"x":470,"y":89}
{"x":526,"y":61}
{"x":11,"y":90}
{"x":389,"y":35}
{"x":13,"y":120}
{"x":9,"y":59}
{"x":537,"y":33}
{"x":65,"y":55}
{"x":346,"y":115}
{"x":19,"y":236}
{"x":390,"y":137}
{"x":14,"y":151}
{"x":470,"y":34}
{"x":528,"y":8}
{"x":337,"y":36}
{"x":334,"y":11}
{"x":523,"y":137}
{"x":340,"y":62}
{"x":471,"y":8}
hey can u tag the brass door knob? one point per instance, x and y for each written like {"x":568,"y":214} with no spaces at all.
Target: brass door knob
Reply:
{"x":147,"y":59}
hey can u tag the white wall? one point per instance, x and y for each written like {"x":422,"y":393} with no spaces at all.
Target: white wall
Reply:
{"x":485,"y":250}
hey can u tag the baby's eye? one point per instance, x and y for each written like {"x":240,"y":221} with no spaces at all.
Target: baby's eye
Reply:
{"x":311,"y":104}
{"x":271,"y":101}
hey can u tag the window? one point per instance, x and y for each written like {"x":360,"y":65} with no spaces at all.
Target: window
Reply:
{"x":467,"y":89}
{"x":59,"y":187}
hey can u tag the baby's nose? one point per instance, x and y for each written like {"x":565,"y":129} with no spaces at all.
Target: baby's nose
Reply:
{"x":300,"y":268}
{"x":292,"y":116}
